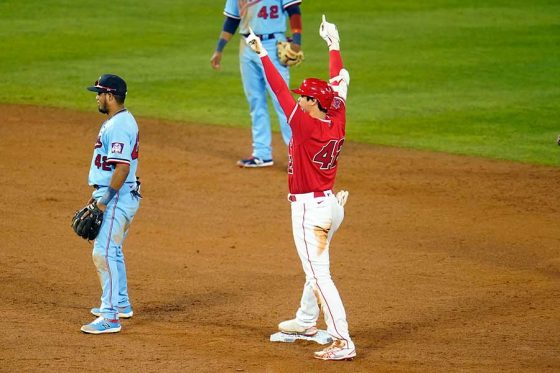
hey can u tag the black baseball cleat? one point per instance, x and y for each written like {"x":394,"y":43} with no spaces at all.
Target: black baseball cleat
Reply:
{"x":254,"y":162}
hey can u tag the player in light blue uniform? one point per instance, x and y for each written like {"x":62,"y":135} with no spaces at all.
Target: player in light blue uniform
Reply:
{"x":267,"y":19}
{"x":113,"y":176}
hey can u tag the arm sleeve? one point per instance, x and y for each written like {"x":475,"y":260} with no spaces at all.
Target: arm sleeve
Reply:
{"x":278,"y":86}
{"x":293,"y":9}
{"x":294,"y":13}
{"x":231,"y":24}
{"x":335,"y":63}
{"x":340,"y":78}
{"x":294,"y":114}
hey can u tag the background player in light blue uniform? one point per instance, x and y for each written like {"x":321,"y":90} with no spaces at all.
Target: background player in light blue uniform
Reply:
{"x":113,"y":176}
{"x":267,"y":19}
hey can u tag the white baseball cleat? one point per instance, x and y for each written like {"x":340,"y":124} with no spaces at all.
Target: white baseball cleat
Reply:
{"x":339,"y":350}
{"x":293,"y":327}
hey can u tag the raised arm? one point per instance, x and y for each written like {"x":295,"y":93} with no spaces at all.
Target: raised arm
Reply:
{"x":273,"y":77}
{"x":340,"y":78}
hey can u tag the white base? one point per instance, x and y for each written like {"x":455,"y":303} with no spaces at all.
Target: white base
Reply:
{"x":322,"y":337}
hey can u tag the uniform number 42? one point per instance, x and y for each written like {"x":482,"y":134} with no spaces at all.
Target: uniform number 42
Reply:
{"x":264,"y":13}
{"x":328,"y":155}
{"x":101,"y":162}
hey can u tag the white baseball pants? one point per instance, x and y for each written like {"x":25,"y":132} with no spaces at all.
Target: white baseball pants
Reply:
{"x":314,"y":221}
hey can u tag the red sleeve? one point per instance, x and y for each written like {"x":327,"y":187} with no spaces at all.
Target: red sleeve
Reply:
{"x":295,"y":23}
{"x":278,"y":86}
{"x":335,"y":63}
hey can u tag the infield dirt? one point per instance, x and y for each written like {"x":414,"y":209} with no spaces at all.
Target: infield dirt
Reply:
{"x":444,"y":263}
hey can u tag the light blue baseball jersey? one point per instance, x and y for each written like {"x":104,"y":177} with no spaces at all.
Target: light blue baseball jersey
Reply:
{"x":263,"y":16}
{"x":117,"y":142}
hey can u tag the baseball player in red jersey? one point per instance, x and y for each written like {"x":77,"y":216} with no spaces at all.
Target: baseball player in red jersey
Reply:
{"x":318,"y":121}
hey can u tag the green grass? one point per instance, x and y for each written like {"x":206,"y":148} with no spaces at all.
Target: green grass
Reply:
{"x":467,"y":77}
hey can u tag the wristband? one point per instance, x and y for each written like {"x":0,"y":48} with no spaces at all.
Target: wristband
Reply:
{"x":108,"y":196}
{"x":221,"y":45}
{"x":296,"y":38}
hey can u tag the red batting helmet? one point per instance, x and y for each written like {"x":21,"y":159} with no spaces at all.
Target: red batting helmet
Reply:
{"x":318,"y":89}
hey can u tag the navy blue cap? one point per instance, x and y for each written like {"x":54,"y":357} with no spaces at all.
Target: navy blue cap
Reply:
{"x":109,"y":83}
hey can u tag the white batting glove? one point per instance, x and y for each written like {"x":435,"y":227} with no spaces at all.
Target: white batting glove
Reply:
{"x":329,"y":32}
{"x":342,"y":197}
{"x":255,"y":43}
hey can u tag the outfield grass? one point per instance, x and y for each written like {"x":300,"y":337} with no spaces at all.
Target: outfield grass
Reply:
{"x":467,"y":77}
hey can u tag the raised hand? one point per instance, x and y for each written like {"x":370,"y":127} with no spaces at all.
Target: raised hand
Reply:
{"x":254,"y":42}
{"x":329,"y":33}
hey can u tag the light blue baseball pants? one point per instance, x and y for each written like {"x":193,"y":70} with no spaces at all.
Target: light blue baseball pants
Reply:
{"x":107,"y":249}
{"x":255,"y":87}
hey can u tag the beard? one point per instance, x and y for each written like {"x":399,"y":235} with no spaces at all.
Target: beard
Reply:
{"x":103,"y":109}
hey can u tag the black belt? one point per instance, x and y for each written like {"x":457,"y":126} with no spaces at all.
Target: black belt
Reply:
{"x":262,"y":37}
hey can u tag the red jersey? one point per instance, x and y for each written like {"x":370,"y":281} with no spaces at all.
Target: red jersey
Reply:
{"x":316,"y":143}
{"x":314,"y":148}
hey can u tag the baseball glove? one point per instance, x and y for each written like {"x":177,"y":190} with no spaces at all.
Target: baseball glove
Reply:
{"x":87,"y":221}
{"x":289,"y":57}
